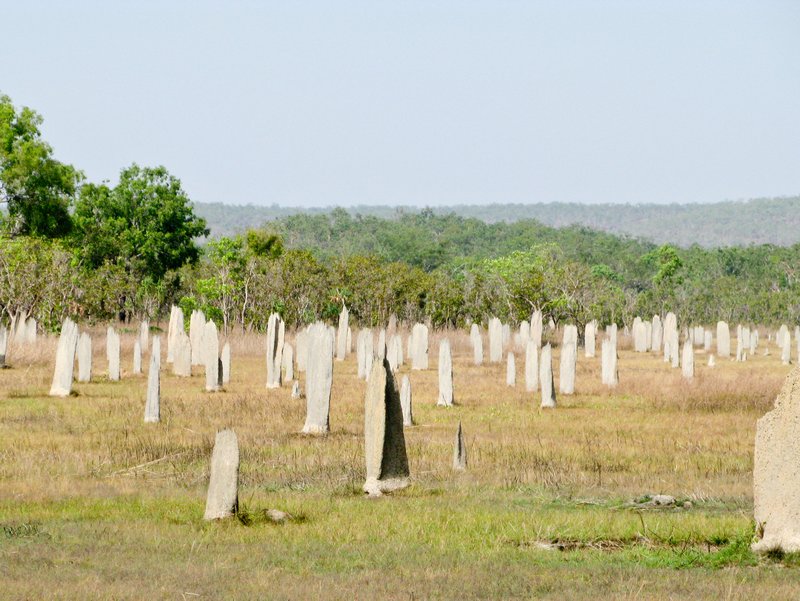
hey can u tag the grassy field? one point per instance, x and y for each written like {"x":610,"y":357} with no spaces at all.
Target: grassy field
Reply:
{"x":96,"y":504}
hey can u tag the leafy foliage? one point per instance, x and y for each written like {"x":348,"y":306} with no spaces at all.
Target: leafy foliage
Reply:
{"x":145,"y":223}
{"x":37,"y":189}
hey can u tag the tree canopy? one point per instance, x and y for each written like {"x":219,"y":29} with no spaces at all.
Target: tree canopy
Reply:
{"x":37,"y":189}
{"x":145,"y":224}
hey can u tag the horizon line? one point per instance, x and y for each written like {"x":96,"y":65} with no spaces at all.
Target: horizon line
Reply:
{"x":506,"y":204}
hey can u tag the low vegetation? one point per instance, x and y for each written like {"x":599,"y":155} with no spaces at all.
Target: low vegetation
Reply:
{"x":554,"y":504}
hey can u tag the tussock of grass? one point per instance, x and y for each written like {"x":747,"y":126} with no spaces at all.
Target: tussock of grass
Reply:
{"x":21,"y":530}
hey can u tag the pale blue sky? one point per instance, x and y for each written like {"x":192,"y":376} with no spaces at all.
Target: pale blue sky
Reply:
{"x":425,"y":103}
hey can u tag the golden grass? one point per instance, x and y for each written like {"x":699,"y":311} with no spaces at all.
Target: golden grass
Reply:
{"x":97,"y":503}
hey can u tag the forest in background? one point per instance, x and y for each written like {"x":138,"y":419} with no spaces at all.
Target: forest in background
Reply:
{"x":730,"y":223}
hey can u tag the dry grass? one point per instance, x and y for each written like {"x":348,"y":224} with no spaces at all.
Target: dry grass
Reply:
{"x":99,"y":504}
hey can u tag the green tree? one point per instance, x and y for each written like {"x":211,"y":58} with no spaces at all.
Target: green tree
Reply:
{"x":37,"y":278}
{"x":224,"y":288}
{"x":667,"y":291}
{"x":146,"y":223}
{"x":261,"y":243}
{"x":295,"y":285}
{"x":37,"y":189}
{"x":667,"y":262}
{"x":520,"y":276}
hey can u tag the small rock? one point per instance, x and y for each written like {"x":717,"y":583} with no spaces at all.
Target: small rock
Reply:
{"x":663,"y":500}
{"x":543,"y":546}
{"x":277,"y":516}
{"x":296,"y":394}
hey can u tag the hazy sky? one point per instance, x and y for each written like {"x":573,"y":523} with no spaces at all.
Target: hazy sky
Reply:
{"x":377,"y":102}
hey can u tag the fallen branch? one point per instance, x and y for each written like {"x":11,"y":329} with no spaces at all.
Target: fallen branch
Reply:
{"x":141,"y":465}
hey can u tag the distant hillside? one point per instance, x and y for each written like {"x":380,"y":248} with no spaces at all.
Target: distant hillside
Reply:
{"x":732,"y":223}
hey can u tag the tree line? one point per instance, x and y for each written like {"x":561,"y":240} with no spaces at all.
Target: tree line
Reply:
{"x":711,"y":225}
{"x":129,"y":251}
